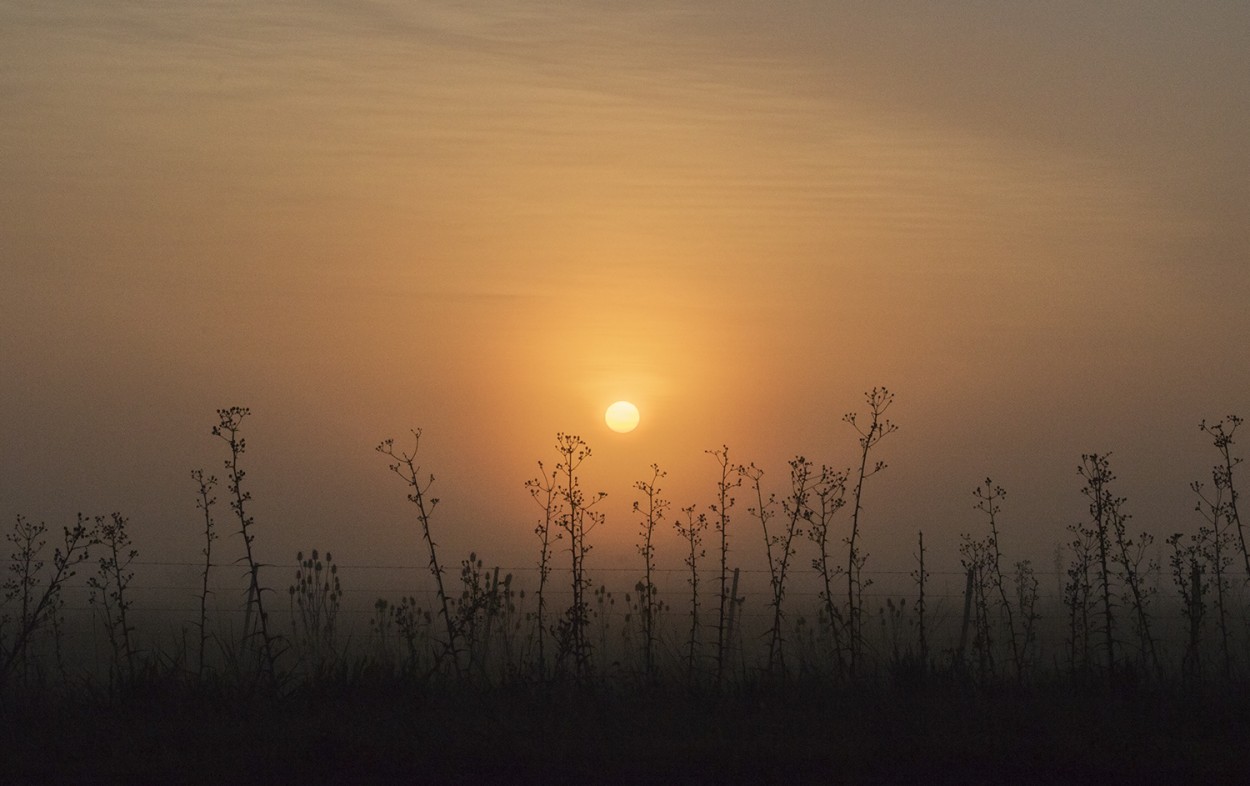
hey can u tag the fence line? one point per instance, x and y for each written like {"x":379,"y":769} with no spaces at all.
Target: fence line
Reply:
{"x":515,"y":569}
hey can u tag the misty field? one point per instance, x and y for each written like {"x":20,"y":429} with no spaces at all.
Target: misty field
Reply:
{"x":1125,"y":660}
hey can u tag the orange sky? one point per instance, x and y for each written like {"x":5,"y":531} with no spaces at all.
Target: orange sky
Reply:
{"x":1030,"y":221}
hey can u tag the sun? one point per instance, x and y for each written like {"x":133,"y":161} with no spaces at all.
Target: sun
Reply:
{"x":621,"y":417}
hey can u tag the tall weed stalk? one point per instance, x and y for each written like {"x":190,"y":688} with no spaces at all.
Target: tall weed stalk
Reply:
{"x":542,"y":490}
{"x":651,"y":507}
{"x":691,"y":531}
{"x":109,"y":592}
{"x":227,"y":429}
{"x":403,"y":465}
{"x":1222,"y":433}
{"x":829,"y":492}
{"x":577,"y":519}
{"x":989,"y":499}
{"x":729,"y":481}
{"x":877,"y":428}
{"x":204,"y":502}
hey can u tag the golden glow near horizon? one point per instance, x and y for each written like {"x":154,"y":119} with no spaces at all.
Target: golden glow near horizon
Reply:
{"x":622,"y":417}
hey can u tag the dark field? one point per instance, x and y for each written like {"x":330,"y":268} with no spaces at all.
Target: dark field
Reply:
{"x":364,"y":731}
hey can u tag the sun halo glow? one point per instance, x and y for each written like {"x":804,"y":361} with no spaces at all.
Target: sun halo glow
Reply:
{"x":622,"y":417}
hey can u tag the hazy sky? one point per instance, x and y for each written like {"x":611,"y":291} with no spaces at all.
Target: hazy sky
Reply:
{"x":491,"y":220}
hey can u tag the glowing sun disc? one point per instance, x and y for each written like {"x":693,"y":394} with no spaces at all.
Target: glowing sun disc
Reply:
{"x":621,"y":417}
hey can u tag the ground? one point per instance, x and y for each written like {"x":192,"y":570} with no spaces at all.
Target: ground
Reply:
{"x":774,"y":734}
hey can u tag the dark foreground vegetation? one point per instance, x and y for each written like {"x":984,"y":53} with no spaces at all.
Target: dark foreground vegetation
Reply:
{"x":1136,"y":673}
{"x":361,"y":730}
